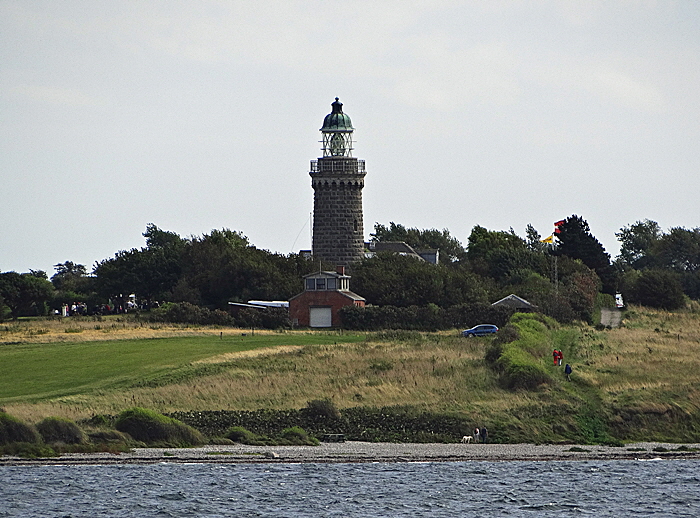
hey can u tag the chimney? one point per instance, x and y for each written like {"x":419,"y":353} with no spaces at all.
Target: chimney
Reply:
{"x":340,"y":269}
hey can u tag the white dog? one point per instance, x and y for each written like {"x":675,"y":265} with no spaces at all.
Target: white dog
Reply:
{"x":467,"y":439}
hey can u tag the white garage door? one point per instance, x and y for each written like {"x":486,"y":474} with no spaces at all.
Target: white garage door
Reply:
{"x":320,"y":317}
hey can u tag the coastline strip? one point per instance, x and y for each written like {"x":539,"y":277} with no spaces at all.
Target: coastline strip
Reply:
{"x":359,"y":452}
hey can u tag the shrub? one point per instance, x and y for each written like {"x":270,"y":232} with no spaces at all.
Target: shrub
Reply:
{"x":13,"y":430}
{"x":507,"y":334}
{"x":268,"y":318}
{"x":28,"y":450}
{"x":56,"y":429}
{"x":658,"y":289}
{"x":156,"y":429}
{"x":521,"y":370}
{"x":244,"y":436}
{"x":321,"y":409}
{"x":297,"y":436}
{"x":186,"y":313}
{"x":493,"y":353}
{"x":422,"y":318}
{"x":240,"y":434}
{"x":469,"y":315}
{"x":549,"y":322}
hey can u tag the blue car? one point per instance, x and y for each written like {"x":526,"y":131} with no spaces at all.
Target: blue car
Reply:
{"x":480,"y":330}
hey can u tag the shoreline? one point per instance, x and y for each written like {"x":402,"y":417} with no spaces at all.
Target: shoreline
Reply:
{"x":365,"y":452}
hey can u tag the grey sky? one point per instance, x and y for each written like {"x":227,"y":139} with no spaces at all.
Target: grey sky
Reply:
{"x":204,"y":115}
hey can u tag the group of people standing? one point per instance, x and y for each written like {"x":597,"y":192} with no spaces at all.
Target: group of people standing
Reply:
{"x":558,"y":356}
{"x":481,"y":434}
{"x":558,"y":359}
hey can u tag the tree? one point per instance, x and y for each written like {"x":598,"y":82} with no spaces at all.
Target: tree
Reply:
{"x":657,"y":289}
{"x":645,"y":246}
{"x":450,"y":248}
{"x":157,"y":238}
{"x":534,"y":240}
{"x":638,"y":242}
{"x":210,"y":269}
{"x":679,"y":250}
{"x":576,"y":241}
{"x":25,"y":294}
{"x":500,"y":254}
{"x":395,"y":280}
{"x":151,"y":272}
{"x":223,"y":266}
{"x":119,"y":276}
{"x":69,"y":276}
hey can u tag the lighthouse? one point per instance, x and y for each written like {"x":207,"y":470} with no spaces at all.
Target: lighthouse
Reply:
{"x":337,"y":179}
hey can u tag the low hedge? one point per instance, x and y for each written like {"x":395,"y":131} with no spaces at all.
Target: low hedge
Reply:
{"x":388,"y":424}
{"x":422,"y":318}
{"x":12,"y":430}
{"x":57,"y":429}
{"x":156,"y":429}
{"x":293,"y":436}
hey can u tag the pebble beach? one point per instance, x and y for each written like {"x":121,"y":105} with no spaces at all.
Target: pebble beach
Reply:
{"x":357,"y":452}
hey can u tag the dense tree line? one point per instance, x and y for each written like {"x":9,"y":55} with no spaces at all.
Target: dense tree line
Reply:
{"x":563,"y":278}
{"x":209,"y":270}
{"x":659,"y":268}
{"x":494,"y":265}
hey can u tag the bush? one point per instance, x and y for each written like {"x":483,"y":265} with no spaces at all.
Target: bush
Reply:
{"x":397,"y":424}
{"x":12,"y":430}
{"x":186,"y":313}
{"x":297,"y":436}
{"x":321,"y":409}
{"x":156,"y":429}
{"x":28,"y":450}
{"x":658,"y":289}
{"x":493,"y":353}
{"x":507,"y":334}
{"x":422,"y":318}
{"x":240,"y":434}
{"x":521,"y":371}
{"x":269,"y":318}
{"x":56,"y":429}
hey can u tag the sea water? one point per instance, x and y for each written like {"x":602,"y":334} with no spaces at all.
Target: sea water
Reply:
{"x":620,"y":488}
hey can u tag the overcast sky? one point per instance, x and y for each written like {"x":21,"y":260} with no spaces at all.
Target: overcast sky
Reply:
{"x":204,"y":115}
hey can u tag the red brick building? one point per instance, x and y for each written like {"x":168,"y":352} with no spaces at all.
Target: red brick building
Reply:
{"x":323,"y":296}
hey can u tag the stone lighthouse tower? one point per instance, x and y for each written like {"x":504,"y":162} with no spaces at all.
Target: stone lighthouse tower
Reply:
{"x":337,"y":179}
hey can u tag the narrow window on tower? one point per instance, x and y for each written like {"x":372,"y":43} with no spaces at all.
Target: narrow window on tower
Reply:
{"x":356,"y":225}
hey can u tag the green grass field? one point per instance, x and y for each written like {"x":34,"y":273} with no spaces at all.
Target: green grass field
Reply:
{"x":36,"y":372}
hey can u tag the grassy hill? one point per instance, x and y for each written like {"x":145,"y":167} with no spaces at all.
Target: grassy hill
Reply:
{"x":633,"y":383}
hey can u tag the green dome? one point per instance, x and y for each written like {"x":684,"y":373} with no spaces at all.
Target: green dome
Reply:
{"x":337,"y":120}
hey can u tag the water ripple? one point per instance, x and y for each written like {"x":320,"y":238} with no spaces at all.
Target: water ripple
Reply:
{"x":563,"y":488}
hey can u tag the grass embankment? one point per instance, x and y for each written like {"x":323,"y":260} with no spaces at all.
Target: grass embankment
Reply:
{"x":634,"y":383}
